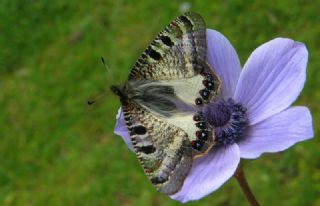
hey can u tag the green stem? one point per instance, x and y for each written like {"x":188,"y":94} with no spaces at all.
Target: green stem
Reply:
{"x":239,"y":175}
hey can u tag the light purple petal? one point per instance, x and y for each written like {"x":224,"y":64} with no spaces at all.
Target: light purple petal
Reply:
{"x":121,"y":129}
{"x":277,"y":133}
{"x":272,"y":78}
{"x":208,"y":173}
{"x":224,"y":60}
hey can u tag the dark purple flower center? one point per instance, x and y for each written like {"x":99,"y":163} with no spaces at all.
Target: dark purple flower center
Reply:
{"x":228,"y":119}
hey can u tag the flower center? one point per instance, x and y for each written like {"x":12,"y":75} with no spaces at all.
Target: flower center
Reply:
{"x":228,"y":118}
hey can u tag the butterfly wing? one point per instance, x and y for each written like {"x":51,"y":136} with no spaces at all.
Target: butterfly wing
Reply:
{"x":163,"y":149}
{"x":174,"y":52}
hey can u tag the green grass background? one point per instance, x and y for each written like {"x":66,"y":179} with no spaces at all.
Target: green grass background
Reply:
{"x":55,"y":150}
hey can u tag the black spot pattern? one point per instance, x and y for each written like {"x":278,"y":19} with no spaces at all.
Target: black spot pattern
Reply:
{"x":167,"y":41}
{"x":139,"y":130}
{"x":147,"y":149}
{"x":153,"y":53}
{"x":158,"y":180}
{"x":185,"y":20}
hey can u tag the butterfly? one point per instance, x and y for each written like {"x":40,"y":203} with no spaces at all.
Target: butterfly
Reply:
{"x":162,"y":102}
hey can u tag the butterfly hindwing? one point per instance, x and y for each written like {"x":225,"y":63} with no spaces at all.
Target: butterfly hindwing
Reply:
{"x":164,"y":146}
{"x":163,"y":150}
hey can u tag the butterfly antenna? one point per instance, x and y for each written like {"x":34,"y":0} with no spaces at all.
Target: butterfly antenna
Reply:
{"x":109,"y":74}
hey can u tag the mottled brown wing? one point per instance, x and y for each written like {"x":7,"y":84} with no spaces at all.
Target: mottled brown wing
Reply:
{"x":163,"y":147}
{"x":175,"y":52}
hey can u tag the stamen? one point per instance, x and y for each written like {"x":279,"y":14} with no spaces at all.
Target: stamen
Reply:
{"x":229,"y":120}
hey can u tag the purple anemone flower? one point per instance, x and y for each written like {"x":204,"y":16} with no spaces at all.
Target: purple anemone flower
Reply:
{"x":254,"y":113}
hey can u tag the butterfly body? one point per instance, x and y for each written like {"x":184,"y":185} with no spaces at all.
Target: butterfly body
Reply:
{"x":162,"y":102}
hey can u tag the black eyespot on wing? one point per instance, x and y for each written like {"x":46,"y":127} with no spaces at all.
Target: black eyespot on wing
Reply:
{"x":139,"y":130}
{"x":198,"y":101}
{"x":167,"y":41}
{"x":204,"y":94}
{"x":147,"y":149}
{"x":197,"y":144}
{"x":153,"y":53}
{"x":158,"y":180}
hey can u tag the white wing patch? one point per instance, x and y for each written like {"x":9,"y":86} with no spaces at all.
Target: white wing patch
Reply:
{"x":187,"y":89}
{"x":186,"y":123}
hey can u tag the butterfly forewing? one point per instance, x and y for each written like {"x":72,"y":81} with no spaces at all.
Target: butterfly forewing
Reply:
{"x":174,"y":52}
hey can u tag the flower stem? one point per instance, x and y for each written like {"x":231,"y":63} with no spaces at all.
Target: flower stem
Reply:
{"x":239,"y":175}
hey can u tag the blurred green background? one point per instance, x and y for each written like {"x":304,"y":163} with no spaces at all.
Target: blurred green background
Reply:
{"x":56,"y":150}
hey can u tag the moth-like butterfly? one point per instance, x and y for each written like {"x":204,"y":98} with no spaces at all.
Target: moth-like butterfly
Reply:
{"x":162,"y":102}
